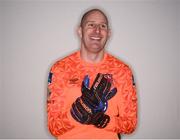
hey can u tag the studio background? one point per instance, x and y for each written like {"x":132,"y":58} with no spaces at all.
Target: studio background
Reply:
{"x":36,"y":33}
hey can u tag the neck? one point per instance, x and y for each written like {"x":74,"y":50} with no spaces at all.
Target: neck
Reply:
{"x":92,"y":57}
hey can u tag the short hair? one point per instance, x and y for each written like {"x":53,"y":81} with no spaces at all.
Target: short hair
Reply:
{"x":89,"y":12}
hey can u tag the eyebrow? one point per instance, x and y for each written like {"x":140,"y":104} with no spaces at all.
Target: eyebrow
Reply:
{"x":95,"y":21}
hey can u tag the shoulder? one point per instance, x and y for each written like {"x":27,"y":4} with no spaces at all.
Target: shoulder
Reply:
{"x":120,"y":70}
{"x":65,"y":63}
{"x":117,"y":63}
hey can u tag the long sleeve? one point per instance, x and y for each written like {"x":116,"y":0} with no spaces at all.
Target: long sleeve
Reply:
{"x":125,"y":120}
{"x":64,"y":87}
{"x":58,"y":120}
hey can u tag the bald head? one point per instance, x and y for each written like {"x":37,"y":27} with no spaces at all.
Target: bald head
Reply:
{"x":84,"y":17}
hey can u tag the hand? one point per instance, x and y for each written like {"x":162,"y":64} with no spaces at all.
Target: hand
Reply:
{"x":101,"y":89}
{"x":90,"y":107}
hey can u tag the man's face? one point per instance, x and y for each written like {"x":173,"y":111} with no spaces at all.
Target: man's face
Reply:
{"x":94,"y":32}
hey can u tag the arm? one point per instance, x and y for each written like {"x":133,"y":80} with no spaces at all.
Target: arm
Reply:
{"x":58,"y":114}
{"x":126,"y":119}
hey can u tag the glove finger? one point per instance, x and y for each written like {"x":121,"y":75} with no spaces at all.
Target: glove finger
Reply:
{"x":104,"y":121}
{"x":109,"y":95}
{"x":101,"y":84}
{"x":90,"y":101}
{"x":90,"y":98}
{"x":97,"y":118}
{"x":92,"y":94}
{"x":76,"y":114}
{"x":107,"y":88}
{"x":79,"y":113}
{"x":101,"y":120}
{"x":87,"y":96}
{"x":86,"y":81}
{"x":85,"y":86}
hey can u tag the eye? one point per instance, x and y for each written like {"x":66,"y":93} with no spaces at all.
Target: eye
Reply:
{"x":91,"y":25}
{"x":103,"y":26}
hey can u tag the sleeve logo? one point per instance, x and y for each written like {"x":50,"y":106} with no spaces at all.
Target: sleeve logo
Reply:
{"x":50,"y":78}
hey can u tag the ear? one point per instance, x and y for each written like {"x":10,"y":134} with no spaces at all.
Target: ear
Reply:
{"x":79,"y":31}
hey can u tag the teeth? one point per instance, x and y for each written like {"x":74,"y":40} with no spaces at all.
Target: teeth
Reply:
{"x":95,"y":38}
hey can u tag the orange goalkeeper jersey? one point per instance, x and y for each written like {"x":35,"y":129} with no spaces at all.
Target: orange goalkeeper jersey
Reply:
{"x":64,"y":85}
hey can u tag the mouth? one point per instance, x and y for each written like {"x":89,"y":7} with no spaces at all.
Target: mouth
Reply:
{"x":95,"y":38}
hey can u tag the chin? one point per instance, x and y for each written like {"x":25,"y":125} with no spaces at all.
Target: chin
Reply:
{"x":96,"y":49}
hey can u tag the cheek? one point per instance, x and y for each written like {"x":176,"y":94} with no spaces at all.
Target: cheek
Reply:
{"x":105,"y":33}
{"x":105,"y":36}
{"x":86,"y":34}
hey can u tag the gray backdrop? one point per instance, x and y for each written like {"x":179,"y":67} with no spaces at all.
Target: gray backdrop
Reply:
{"x":35,"y":33}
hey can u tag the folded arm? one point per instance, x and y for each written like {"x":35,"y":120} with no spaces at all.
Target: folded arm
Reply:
{"x":58,"y":115}
{"x":125,"y":120}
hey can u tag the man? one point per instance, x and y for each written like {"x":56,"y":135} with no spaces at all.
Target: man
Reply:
{"x":79,"y":104}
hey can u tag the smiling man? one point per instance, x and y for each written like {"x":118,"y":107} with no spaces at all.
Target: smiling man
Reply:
{"x":92,"y":94}
{"x":94,"y":33}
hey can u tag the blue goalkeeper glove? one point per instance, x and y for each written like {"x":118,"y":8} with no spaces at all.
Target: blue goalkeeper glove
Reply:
{"x":91,"y":106}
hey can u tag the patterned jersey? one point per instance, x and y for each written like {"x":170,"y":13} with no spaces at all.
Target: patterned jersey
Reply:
{"x":64,"y":85}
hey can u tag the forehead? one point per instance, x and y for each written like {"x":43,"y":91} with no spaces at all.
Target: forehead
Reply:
{"x":96,"y":16}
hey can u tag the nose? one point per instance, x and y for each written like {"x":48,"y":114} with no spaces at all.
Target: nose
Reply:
{"x":97,"y":29}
